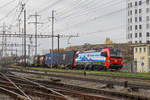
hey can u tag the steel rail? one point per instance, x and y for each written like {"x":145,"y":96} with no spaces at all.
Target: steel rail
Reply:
{"x":43,"y":87}
{"x":20,"y":97}
{"x":16,"y":86}
{"x":70,"y":93}
{"x":97,"y":91}
{"x":34,"y":93}
{"x":66,"y":92}
{"x":131,"y":85}
{"x":104,"y":75}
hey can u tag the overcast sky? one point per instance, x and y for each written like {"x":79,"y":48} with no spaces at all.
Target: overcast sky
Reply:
{"x":93,"y":20}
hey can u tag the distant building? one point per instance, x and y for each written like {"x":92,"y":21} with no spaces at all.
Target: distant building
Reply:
{"x":138,"y":19}
{"x":108,"y":41}
{"x":142,"y":58}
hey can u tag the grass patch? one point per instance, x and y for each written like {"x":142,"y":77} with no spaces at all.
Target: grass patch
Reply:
{"x":38,"y":76}
{"x":124,"y":74}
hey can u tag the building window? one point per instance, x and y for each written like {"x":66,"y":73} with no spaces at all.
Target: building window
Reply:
{"x":131,"y":4}
{"x":147,"y":26}
{"x":135,"y":35}
{"x":140,"y":50}
{"x":128,"y":5}
{"x":140,"y":10}
{"x":140,"y":19}
{"x":131,"y":12}
{"x":140,"y":26}
{"x":140,"y":41}
{"x":140,"y":34}
{"x":144,"y":49}
{"x":136,"y":49}
{"x":147,"y":18}
{"x":130,"y":20}
{"x":147,"y":10}
{"x":131,"y":35}
{"x":136,"y":11}
{"x":135,"y":19}
{"x":135,"y":41}
{"x":140,"y":2}
{"x":128,"y":36}
{"x":147,"y":34}
{"x":136,"y":27}
{"x":147,"y":2}
{"x":135,"y":3}
{"x":130,"y":28}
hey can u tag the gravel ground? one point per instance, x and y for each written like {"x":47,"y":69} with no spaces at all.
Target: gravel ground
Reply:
{"x":94,"y":85}
{"x":5,"y":97}
{"x":133,"y":80}
{"x":105,"y":78}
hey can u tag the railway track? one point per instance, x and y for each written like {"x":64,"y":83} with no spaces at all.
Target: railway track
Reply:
{"x":18,"y":91}
{"x":22,"y":88}
{"x":75,"y":73}
{"x":117,"y":83}
{"x":78,"y":91}
{"x":71,"y":91}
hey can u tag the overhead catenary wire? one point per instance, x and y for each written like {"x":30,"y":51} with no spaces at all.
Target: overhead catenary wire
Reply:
{"x":6,"y":4}
{"x":93,"y":19}
{"x":12,"y":10}
{"x":79,"y":11}
{"x":96,"y":18}
{"x":7,"y":15}
{"x":77,"y":6}
{"x":109,"y":1}
{"x":49,"y":6}
{"x":85,"y":13}
{"x":87,"y":8}
{"x":105,"y":30}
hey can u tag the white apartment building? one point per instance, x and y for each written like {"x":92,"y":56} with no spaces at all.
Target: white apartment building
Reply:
{"x":138,"y":19}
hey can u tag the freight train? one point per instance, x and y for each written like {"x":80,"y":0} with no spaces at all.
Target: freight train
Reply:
{"x":92,"y":60}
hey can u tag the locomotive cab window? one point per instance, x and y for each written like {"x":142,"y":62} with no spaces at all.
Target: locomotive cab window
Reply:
{"x":115,"y":53}
{"x":104,"y":54}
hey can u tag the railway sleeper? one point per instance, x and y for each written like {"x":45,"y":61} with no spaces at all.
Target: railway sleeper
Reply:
{"x":31,"y":92}
{"x":100,"y":91}
{"x":78,"y":95}
{"x":110,"y":86}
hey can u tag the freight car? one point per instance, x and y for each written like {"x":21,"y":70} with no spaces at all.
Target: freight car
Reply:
{"x":63,"y":59}
{"x":39,"y":60}
{"x":92,"y":60}
{"x":51,"y":59}
{"x":32,"y":61}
